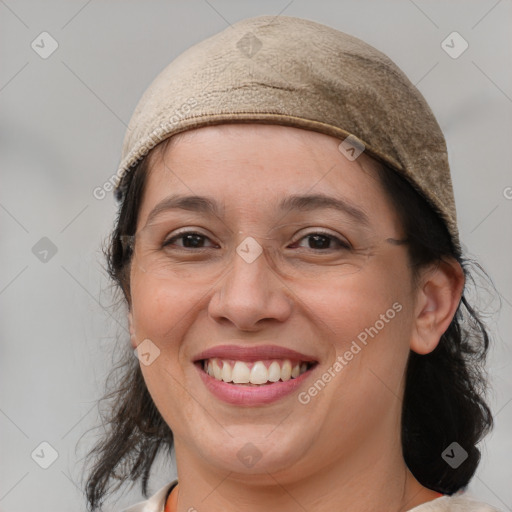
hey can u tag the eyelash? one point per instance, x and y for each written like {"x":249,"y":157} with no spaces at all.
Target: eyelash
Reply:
{"x":341,"y":243}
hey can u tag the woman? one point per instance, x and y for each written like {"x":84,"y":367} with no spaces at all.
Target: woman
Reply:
{"x":288,"y":251}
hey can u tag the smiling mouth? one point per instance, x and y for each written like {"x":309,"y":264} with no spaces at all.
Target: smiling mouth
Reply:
{"x":256,"y":373}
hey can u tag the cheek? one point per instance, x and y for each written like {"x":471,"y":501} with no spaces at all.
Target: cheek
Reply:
{"x":352,"y":303}
{"x":368,"y":319}
{"x":158,"y":307}
{"x":159,"y":313}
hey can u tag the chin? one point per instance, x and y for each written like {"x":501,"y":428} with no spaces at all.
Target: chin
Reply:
{"x":252,"y":451}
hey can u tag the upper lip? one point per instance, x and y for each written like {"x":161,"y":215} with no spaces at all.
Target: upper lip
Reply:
{"x":251,"y":354}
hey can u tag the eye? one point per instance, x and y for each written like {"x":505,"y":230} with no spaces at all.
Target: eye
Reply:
{"x":317,"y":241}
{"x":321,"y":240}
{"x":191,"y":240}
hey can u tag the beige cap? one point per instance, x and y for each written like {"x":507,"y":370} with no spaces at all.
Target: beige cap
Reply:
{"x":295,"y":72}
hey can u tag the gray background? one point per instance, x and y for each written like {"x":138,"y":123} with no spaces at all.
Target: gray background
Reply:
{"x":63,"y":119}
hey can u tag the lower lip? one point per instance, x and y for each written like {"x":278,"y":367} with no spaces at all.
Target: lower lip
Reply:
{"x":251,"y":395}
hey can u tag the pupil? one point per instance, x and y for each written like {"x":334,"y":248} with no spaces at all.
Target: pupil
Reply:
{"x":194,"y":239}
{"x":320,"y":245}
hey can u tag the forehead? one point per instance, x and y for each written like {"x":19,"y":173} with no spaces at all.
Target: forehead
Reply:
{"x":248,"y":167}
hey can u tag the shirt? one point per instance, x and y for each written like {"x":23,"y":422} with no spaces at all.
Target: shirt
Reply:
{"x":455,"y":503}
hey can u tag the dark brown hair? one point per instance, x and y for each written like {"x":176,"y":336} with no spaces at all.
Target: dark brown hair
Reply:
{"x":444,"y":390}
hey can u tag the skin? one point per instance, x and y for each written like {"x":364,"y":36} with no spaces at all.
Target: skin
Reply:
{"x":342,"y":449}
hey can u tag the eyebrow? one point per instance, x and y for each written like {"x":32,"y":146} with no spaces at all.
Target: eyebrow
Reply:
{"x":307,"y":202}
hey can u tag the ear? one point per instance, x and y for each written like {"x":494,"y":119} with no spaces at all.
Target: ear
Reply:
{"x":437,"y":299}
{"x":133,"y":338}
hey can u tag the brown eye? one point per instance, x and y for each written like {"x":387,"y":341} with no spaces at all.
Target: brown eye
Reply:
{"x":191,"y":240}
{"x":321,"y":240}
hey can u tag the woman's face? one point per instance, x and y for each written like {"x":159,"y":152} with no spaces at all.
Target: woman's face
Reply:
{"x":258,"y":279}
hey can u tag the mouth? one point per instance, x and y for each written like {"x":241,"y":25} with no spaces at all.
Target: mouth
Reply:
{"x":253,"y":375}
{"x":256,"y":373}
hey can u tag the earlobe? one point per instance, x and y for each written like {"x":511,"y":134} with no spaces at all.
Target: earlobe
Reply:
{"x":437,"y":301}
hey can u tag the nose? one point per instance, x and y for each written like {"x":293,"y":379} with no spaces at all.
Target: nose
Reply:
{"x":250,"y":293}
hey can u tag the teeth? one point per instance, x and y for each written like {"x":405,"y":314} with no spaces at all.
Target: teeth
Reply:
{"x":241,"y":373}
{"x":256,"y":373}
{"x":217,"y":372}
{"x":286,"y":371}
{"x":274,"y":372}
{"x":226,"y":373}
{"x":259,"y":374}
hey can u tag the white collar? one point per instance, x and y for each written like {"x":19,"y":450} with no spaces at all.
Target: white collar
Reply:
{"x":443,"y":504}
{"x":154,"y":504}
